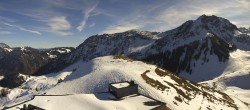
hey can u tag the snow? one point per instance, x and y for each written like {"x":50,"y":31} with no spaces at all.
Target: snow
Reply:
{"x":8,"y":49}
{"x":90,"y":102}
{"x":121,"y":85}
{"x":236,"y":71}
{"x":235,"y":78}
{"x":23,"y":48}
{"x":212,"y":69}
{"x":51,"y":56}
{"x":94,"y":75}
{"x":1,"y":77}
{"x":241,"y":94}
{"x":68,"y":50}
{"x":16,"y":93}
{"x":64,"y":50}
{"x":85,"y":79}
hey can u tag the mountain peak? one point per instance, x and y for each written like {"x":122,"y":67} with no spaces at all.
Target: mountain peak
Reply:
{"x":216,"y":21}
{"x":141,"y":32}
{"x":209,"y":18}
{"x":3,"y":45}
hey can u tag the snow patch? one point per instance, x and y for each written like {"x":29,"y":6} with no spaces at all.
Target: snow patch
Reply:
{"x":1,"y":77}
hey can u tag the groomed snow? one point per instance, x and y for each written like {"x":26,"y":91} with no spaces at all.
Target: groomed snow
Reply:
{"x":121,"y":85}
{"x":95,"y":76}
{"x":91,"y":102}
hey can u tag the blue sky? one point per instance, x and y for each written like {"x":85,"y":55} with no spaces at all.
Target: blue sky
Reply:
{"x":55,"y":23}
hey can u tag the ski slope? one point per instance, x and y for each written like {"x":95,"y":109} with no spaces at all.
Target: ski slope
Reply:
{"x":103,"y":101}
{"x":95,"y":75}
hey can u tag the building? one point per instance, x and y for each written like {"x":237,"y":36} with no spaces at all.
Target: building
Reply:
{"x":102,"y":99}
{"x":122,"y":89}
{"x":30,"y":107}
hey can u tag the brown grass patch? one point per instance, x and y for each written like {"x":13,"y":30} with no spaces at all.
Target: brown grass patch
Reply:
{"x":154,"y":83}
{"x":192,"y":89}
{"x":160,"y":72}
{"x":178,"y":99}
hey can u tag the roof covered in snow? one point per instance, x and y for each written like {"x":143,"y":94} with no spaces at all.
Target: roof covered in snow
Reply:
{"x":103,"y":101}
{"x":120,"y":85}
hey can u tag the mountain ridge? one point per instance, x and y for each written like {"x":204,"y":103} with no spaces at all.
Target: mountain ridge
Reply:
{"x":175,"y":49}
{"x":25,"y":60}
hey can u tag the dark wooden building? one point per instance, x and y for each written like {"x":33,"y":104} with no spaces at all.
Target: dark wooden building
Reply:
{"x":31,"y":107}
{"x":122,"y":89}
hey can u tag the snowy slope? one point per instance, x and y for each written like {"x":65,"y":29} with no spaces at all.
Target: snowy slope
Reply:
{"x":187,"y":50}
{"x":236,"y":72}
{"x":235,"y":78}
{"x":95,"y":75}
{"x":102,"y":101}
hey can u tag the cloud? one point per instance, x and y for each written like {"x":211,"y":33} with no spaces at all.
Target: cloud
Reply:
{"x":156,"y":15}
{"x":59,"y":23}
{"x":62,"y":33}
{"x":6,"y":19}
{"x":120,"y":28}
{"x":167,"y":15}
{"x":23,"y":29}
{"x":237,"y":11}
{"x":5,"y":32}
{"x":86,"y":13}
{"x":92,"y":25}
{"x":59,"y":26}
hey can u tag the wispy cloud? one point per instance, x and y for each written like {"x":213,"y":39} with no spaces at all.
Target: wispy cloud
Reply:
{"x":5,"y":32}
{"x":62,"y":17}
{"x":86,"y":13}
{"x":120,"y":28}
{"x":23,"y":29}
{"x":237,"y":11}
{"x":165,"y":15}
{"x":62,"y":33}
{"x":92,"y":25}
{"x":6,"y":19}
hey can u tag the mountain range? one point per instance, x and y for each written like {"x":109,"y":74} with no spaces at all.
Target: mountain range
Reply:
{"x":207,"y":40}
{"x":203,"y":59}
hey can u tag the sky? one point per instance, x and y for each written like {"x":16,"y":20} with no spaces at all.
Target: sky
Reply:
{"x":60,"y":23}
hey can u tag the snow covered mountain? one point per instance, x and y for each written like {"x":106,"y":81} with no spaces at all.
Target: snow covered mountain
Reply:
{"x":4,"y":48}
{"x":244,"y":30}
{"x":209,"y":50}
{"x":187,"y":50}
{"x":3,"y":45}
{"x":25,"y":60}
{"x":94,"y":76}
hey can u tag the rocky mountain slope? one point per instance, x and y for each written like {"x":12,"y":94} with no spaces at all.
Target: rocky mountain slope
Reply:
{"x":25,"y":60}
{"x":94,"y":76}
{"x":203,"y":42}
{"x":244,"y":30}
